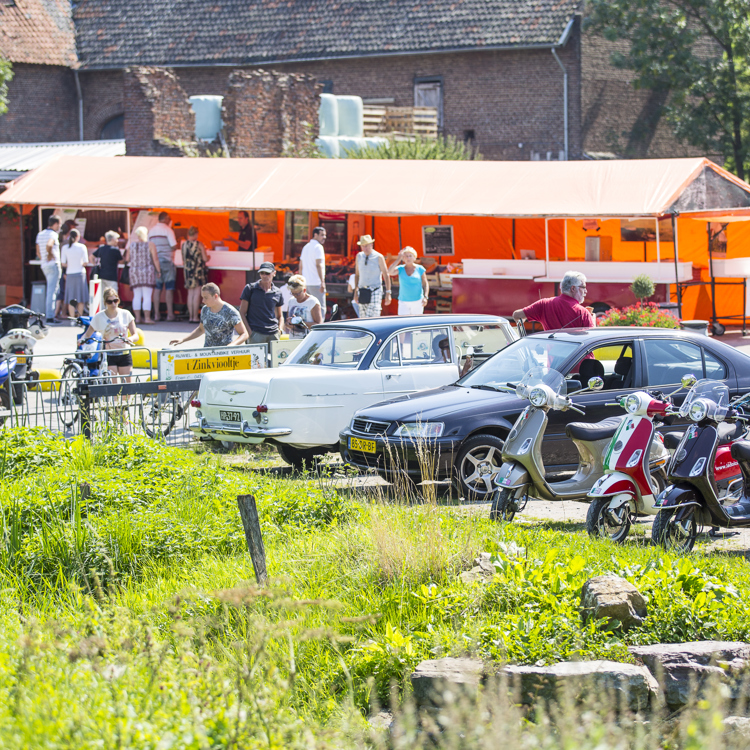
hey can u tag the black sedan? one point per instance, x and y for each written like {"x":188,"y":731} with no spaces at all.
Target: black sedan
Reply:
{"x":457,"y":431}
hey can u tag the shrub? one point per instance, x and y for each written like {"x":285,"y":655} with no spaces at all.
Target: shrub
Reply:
{"x":641,"y":314}
{"x":642,"y":287}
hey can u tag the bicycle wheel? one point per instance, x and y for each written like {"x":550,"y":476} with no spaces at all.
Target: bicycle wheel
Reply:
{"x":159,"y":413}
{"x":68,"y":403}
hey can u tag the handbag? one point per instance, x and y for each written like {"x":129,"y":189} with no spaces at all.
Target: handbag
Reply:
{"x":365,"y":295}
{"x":125,"y":275}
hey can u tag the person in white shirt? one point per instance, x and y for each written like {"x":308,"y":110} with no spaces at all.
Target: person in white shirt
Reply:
{"x":48,"y":252}
{"x":312,"y":265}
{"x":304,"y":309}
{"x":163,"y":238}
{"x":73,"y":258}
{"x":117,"y":327}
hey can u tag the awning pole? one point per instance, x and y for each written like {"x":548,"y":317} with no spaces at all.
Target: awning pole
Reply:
{"x":400,"y":243}
{"x":676,"y":266}
{"x":546,"y":247}
{"x":24,"y":272}
{"x":566,"y":240}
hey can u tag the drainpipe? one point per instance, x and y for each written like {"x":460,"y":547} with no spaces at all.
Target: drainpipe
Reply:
{"x":561,"y":43}
{"x":80,"y":105}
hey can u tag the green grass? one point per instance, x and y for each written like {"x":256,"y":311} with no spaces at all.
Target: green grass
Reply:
{"x":130,"y":619}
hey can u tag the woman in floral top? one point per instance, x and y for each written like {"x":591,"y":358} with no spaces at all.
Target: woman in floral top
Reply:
{"x":194,"y":259}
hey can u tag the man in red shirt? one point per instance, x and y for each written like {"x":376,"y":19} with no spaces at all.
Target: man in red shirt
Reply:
{"x":563,"y":311}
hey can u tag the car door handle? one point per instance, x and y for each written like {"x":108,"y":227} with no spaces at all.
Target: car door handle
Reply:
{"x":388,"y":377}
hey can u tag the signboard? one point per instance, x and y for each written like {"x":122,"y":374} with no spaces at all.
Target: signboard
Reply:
{"x":438,"y":240}
{"x":282,"y":350}
{"x":186,"y":364}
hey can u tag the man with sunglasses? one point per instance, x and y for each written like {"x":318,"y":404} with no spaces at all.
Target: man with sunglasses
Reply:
{"x":260,"y":307}
{"x":564,"y":311}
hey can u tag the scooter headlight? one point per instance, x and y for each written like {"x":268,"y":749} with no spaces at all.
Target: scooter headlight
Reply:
{"x":698,"y":410}
{"x":632,"y":403}
{"x":538,"y":396}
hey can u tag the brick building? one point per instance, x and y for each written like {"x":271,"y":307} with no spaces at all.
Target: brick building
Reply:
{"x":494,"y":68}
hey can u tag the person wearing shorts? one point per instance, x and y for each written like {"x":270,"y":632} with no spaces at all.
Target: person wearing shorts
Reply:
{"x":165,"y":242}
{"x":116,"y":326}
{"x":413,"y":288}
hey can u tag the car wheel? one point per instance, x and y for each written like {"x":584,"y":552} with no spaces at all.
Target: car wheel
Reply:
{"x":503,"y":507}
{"x":608,"y":524}
{"x":676,"y":536}
{"x":477,"y":465}
{"x":300,"y":459}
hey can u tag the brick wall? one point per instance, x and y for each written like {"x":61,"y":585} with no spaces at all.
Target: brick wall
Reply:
{"x":103,"y":99}
{"x":617,"y":118}
{"x":11,"y":258}
{"x":264,"y":112}
{"x":42,"y":105}
{"x":157,"y":113}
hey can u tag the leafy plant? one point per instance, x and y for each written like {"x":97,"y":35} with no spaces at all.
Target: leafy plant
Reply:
{"x":642,"y":287}
{"x":641,"y":314}
{"x":443,"y":147}
{"x":6,"y":76}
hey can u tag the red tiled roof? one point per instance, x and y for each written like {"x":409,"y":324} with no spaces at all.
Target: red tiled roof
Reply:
{"x":39,"y":32}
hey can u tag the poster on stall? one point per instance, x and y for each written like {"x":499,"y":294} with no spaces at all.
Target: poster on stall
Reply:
{"x":186,"y":364}
{"x":438,"y":240}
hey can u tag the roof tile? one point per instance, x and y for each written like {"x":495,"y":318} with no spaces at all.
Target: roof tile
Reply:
{"x":38,"y":32}
{"x":113,"y":33}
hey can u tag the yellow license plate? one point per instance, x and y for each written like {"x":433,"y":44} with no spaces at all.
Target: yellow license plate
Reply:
{"x":365,"y":446}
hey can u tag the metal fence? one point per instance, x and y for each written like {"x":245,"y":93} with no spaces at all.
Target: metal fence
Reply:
{"x":94,"y":405}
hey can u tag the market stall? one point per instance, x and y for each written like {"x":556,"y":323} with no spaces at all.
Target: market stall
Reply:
{"x":612,"y":220}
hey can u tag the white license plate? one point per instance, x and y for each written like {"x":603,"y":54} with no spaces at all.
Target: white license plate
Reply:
{"x":230,"y":416}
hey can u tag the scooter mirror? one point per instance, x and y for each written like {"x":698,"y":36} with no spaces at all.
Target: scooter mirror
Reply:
{"x":596,"y":384}
{"x":470,"y":351}
{"x":689,"y":380}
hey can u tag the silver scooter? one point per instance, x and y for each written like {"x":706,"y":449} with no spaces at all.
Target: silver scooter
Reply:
{"x":523,"y":476}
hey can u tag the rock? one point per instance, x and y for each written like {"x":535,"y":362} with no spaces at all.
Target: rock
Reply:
{"x":381,"y":721}
{"x":613,"y":598}
{"x":737,"y":726}
{"x":440,"y":682}
{"x":482,"y":571}
{"x":628,"y":685}
{"x":682,"y":668}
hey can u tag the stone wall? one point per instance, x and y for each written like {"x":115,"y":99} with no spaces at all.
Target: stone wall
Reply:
{"x":158,"y":117}
{"x":268,"y":113}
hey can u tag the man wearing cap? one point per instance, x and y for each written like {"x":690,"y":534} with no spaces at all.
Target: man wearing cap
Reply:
{"x":260,"y":307}
{"x":370,"y":271}
{"x":312,"y":265}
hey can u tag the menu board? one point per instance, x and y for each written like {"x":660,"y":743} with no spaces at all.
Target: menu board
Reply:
{"x":438,"y":240}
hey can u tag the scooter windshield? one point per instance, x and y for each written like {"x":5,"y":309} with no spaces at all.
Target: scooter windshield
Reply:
{"x":538,"y":381}
{"x":708,"y":399}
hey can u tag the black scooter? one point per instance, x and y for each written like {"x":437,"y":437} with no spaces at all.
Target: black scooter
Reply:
{"x":701,"y":465}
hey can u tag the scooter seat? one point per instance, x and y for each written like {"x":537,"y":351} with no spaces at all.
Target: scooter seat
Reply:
{"x":597,"y":431}
{"x":741,"y":450}
{"x":729,"y":432}
{"x":672,"y":440}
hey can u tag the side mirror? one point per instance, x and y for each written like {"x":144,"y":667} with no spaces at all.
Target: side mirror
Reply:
{"x":689,"y":380}
{"x":596,"y":384}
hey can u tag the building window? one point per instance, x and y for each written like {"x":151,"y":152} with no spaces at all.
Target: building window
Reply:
{"x":113,"y":129}
{"x":428,"y":92}
{"x":327,"y":86}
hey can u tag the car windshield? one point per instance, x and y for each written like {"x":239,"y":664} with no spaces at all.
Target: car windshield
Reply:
{"x":330,"y":347}
{"x":514,"y":362}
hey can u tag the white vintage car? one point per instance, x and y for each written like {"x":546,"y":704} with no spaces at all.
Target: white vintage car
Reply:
{"x":339,"y":368}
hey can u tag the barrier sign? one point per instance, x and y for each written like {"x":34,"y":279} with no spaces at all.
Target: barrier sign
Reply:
{"x":186,"y":364}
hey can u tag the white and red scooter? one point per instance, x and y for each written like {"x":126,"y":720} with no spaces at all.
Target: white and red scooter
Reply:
{"x":629,"y":487}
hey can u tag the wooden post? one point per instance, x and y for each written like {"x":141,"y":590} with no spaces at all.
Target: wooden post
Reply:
{"x":251,"y":523}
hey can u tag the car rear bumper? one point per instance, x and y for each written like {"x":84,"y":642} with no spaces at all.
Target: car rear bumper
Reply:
{"x":203,"y":428}
{"x":396,"y":457}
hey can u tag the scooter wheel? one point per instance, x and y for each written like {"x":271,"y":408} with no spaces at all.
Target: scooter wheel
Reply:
{"x":603,"y":523}
{"x":503,"y":506}
{"x":676,"y":536}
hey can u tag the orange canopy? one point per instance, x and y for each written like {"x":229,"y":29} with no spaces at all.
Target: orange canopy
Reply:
{"x":458,"y":188}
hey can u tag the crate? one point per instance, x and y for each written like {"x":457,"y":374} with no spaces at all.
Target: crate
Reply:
{"x":401,"y":123}
{"x":373,"y":120}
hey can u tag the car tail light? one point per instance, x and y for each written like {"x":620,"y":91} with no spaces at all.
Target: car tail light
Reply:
{"x":196,"y":403}
{"x":262,"y":409}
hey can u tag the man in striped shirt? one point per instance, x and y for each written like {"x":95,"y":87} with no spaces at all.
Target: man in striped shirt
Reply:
{"x":165,"y":242}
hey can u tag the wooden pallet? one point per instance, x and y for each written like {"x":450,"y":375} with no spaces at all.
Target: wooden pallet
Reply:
{"x":405,"y":122}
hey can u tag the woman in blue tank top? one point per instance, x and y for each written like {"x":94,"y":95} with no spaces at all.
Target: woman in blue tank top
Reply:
{"x":413,"y":288}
